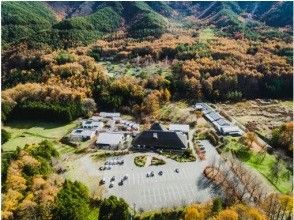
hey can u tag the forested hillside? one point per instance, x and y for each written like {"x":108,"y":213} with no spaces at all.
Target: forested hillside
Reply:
{"x":65,"y":24}
{"x":68,"y":52}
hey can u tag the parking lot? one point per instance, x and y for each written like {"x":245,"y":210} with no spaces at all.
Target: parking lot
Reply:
{"x":168,"y":190}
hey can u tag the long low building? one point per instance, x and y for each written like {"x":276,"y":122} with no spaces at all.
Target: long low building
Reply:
{"x":158,"y":138}
{"x":82,"y":134}
{"x":92,"y":124}
{"x":222,"y":125}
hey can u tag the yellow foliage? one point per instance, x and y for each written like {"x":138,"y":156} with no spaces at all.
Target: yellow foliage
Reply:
{"x":227,"y":214}
{"x":10,"y":202}
{"x":194,"y":213}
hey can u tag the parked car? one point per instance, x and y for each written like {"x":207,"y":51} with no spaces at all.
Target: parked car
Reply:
{"x":101,"y":168}
{"x":125,"y":177}
{"x":102,"y":181}
{"x":110,"y":185}
{"x":121,"y":183}
{"x":108,"y":167}
{"x":177,"y":170}
{"x":160,"y":173}
{"x":151,"y":173}
{"x":147,"y":175}
{"x":112,"y":178}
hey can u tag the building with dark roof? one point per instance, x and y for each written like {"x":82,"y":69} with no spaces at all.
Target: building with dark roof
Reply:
{"x":158,"y":139}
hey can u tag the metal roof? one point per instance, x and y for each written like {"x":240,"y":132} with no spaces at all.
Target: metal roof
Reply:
{"x":157,"y":126}
{"x":109,"y":114}
{"x":108,"y":138}
{"x":162,"y":139}
{"x":179,"y":127}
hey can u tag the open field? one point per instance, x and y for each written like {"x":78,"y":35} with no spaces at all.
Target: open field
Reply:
{"x":119,"y":69}
{"x":28,"y":132}
{"x":264,"y":163}
{"x":263,"y":117}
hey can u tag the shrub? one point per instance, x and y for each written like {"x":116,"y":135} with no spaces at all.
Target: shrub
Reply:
{"x":96,"y":53}
{"x":156,"y":161}
{"x":113,"y":209}
{"x":72,"y":202}
{"x":64,"y":57}
{"x":140,"y":161}
{"x":5,"y":136}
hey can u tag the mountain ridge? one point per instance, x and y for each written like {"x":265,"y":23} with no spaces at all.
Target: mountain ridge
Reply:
{"x":84,"y":21}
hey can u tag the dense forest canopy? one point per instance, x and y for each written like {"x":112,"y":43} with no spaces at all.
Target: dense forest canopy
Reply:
{"x":55,"y":52}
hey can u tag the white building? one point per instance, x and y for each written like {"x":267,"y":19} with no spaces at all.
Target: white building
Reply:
{"x":91,"y":124}
{"x":230,"y":130}
{"x":109,"y":114}
{"x":180,"y":127}
{"x":110,"y":140}
{"x":82,"y":134}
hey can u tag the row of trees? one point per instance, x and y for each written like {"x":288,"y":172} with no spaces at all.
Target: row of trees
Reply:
{"x":282,"y":137}
{"x":44,"y":102}
{"x":241,"y":185}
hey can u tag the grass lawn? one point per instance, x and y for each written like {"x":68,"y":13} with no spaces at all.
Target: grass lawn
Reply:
{"x":29,"y":132}
{"x":94,"y":214}
{"x":263,"y":163}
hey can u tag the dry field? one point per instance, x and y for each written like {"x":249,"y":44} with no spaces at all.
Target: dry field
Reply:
{"x":260,"y":115}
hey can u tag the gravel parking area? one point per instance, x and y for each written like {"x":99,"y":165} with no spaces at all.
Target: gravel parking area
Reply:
{"x":168,"y":190}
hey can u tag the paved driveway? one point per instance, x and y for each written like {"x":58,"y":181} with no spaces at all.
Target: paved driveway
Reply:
{"x":169,"y":190}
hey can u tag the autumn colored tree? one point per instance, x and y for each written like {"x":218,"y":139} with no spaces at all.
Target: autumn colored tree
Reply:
{"x":282,"y":137}
{"x":193,"y":213}
{"x":227,"y":214}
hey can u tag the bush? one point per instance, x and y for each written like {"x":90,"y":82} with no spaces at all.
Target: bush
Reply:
{"x":212,"y":137}
{"x":45,"y":150}
{"x":156,"y":161}
{"x":64,"y":57}
{"x":5,"y":136}
{"x":113,"y":209}
{"x":140,"y":161}
{"x":72,"y":202}
{"x":96,"y":53}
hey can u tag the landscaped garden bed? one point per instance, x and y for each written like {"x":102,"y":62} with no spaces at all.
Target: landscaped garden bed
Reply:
{"x":140,"y":161}
{"x":187,"y":156}
{"x":157,"y":161}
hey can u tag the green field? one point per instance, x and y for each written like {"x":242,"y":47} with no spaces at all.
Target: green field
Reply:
{"x":263,"y":163}
{"x":118,"y":69}
{"x":29,"y":132}
{"x":205,"y":35}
